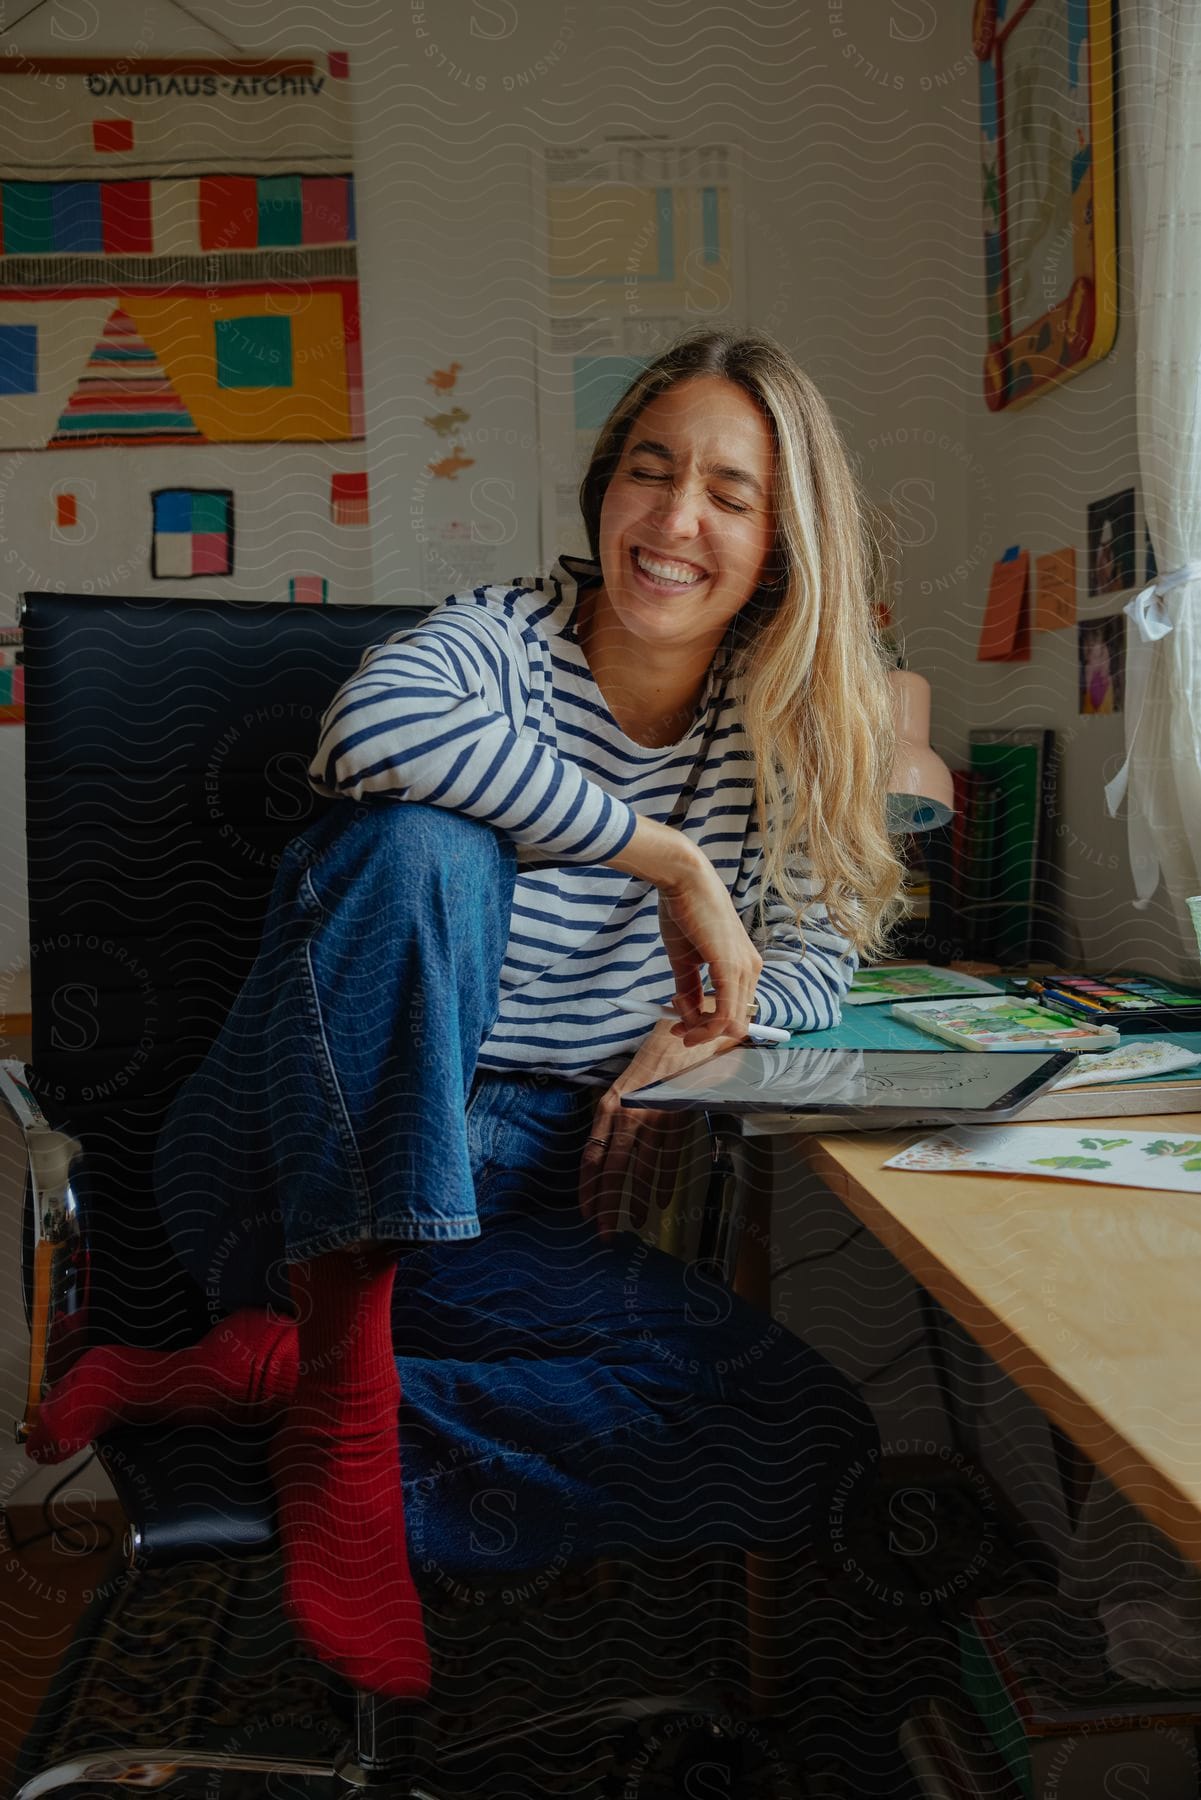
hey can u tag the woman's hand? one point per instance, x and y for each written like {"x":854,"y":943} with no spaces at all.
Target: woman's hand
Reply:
{"x":699,"y":926}
{"x":636,"y":1139}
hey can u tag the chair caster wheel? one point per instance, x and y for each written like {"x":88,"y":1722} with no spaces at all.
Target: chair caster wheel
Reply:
{"x":701,"y":1756}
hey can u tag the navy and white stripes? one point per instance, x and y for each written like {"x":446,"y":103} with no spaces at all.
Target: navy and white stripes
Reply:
{"x":488,"y":707}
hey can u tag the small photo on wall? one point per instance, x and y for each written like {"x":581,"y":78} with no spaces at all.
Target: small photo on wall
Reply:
{"x":1111,"y":549}
{"x":1101,"y":654}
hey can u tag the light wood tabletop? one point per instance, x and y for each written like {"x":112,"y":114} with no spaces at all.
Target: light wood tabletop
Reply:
{"x":1089,"y":1297}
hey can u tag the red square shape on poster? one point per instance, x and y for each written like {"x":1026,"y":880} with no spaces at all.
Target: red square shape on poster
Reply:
{"x":112,"y":134}
{"x":210,"y":553}
{"x":352,"y":486}
{"x":125,"y":218}
{"x":339,"y":64}
{"x":66,"y":511}
{"x":324,"y":213}
{"x":348,"y":498}
{"x":229,"y":212}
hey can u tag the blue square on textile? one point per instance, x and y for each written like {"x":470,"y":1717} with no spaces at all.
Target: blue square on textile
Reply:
{"x":173,"y":510}
{"x":75,"y":210}
{"x":18,"y":359}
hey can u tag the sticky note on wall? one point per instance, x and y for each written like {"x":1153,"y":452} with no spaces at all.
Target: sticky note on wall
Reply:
{"x":1055,"y":590}
{"x":1005,"y":635}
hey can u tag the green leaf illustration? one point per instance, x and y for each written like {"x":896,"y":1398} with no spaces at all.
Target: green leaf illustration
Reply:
{"x":1173,"y":1147}
{"x":1071,"y":1162}
{"x":1193,"y":1162}
{"x":1096,"y":1143}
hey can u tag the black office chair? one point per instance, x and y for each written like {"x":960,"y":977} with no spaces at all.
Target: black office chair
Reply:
{"x":167,"y":743}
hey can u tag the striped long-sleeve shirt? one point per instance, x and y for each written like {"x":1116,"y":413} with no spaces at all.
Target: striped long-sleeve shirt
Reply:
{"x":488,"y":707}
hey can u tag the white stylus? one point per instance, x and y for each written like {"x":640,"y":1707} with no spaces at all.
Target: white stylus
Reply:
{"x":756,"y":1034}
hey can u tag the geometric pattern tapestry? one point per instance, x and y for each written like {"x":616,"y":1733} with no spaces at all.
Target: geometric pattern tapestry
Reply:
{"x":177,"y":252}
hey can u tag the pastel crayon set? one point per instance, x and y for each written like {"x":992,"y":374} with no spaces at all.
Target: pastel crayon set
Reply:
{"x":1130,"y":1002}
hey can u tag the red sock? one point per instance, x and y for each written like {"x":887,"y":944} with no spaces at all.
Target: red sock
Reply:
{"x":336,"y":1465}
{"x":248,"y":1360}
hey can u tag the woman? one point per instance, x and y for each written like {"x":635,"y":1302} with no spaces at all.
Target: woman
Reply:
{"x":665,"y":761}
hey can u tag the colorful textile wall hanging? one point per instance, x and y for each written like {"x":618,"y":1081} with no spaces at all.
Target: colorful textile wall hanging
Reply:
{"x":179,"y":284}
{"x":229,"y":297}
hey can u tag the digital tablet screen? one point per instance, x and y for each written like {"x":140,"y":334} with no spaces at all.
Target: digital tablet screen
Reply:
{"x":764,"y":1078}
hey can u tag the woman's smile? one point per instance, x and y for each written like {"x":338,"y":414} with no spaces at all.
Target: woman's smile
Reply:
{"x":665,"y":574}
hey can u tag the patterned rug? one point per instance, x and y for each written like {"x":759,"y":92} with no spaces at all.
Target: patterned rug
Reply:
{"x":200,"y":1655}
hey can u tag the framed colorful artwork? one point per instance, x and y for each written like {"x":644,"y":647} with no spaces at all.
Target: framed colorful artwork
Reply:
{"x":1047,"y":138}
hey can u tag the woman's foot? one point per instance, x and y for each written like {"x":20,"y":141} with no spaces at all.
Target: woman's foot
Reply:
{"x":336,"y":1465}
{"x":247,"y":1361}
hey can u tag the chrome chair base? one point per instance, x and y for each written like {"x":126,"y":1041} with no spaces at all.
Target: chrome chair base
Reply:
{"x":363,"y":1766}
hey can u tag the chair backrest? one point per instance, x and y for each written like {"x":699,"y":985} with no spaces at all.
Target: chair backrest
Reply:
{"x":166,"y":744}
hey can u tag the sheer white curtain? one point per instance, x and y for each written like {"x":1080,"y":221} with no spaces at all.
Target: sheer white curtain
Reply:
{"x":1161,"y":58}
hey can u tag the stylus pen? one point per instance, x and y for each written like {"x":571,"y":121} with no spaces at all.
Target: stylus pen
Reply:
{"x":757,"y":1034}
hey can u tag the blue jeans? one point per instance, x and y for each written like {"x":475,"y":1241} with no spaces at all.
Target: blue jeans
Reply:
{"x":564,"y":1397}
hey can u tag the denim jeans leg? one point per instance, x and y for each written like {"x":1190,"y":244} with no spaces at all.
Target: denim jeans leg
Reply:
{"x":567,"y":1398}
{"x":331,"y":1108}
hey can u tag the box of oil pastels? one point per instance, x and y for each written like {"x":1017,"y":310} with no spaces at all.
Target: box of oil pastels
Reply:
{"x":1129,"y":1002}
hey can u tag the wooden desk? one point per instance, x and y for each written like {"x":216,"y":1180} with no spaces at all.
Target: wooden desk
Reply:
{"x":1088,"y":1297}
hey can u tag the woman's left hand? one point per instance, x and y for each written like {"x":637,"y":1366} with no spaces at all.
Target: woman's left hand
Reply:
{"x":637,"y":1139}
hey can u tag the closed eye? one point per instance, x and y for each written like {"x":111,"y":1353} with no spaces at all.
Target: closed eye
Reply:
{"x":730,"y":505}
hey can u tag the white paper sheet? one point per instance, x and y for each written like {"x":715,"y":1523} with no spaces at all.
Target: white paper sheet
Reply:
{"x":1144,"y":1159}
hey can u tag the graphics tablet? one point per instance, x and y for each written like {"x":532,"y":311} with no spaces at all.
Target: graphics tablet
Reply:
{"x":861,"y":1090}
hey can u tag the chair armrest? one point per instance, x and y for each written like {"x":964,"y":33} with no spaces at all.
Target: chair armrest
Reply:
{"x":54,"y":1254}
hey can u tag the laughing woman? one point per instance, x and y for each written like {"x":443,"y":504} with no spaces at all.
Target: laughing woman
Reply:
{"x":655,"y":775}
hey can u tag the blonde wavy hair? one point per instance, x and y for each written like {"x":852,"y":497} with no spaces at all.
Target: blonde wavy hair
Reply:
{"x":805,"y":649}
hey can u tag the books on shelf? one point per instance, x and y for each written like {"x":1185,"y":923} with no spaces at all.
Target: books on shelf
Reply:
{"x":1063,"y":1723}
{"x":1003,"y":848}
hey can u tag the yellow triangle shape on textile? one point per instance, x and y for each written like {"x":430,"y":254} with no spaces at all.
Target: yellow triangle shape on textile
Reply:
{"x":315,"y":408}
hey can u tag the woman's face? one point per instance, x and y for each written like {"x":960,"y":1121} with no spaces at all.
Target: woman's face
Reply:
{"x":686,"y":524}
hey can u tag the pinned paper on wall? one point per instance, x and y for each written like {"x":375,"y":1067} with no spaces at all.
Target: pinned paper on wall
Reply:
{"x":644,"y":236}
{"x":1111,"y":567}
{"x":1101,"y":665}
{"x":1055,"y":590}
{"x":1005,"y":634}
